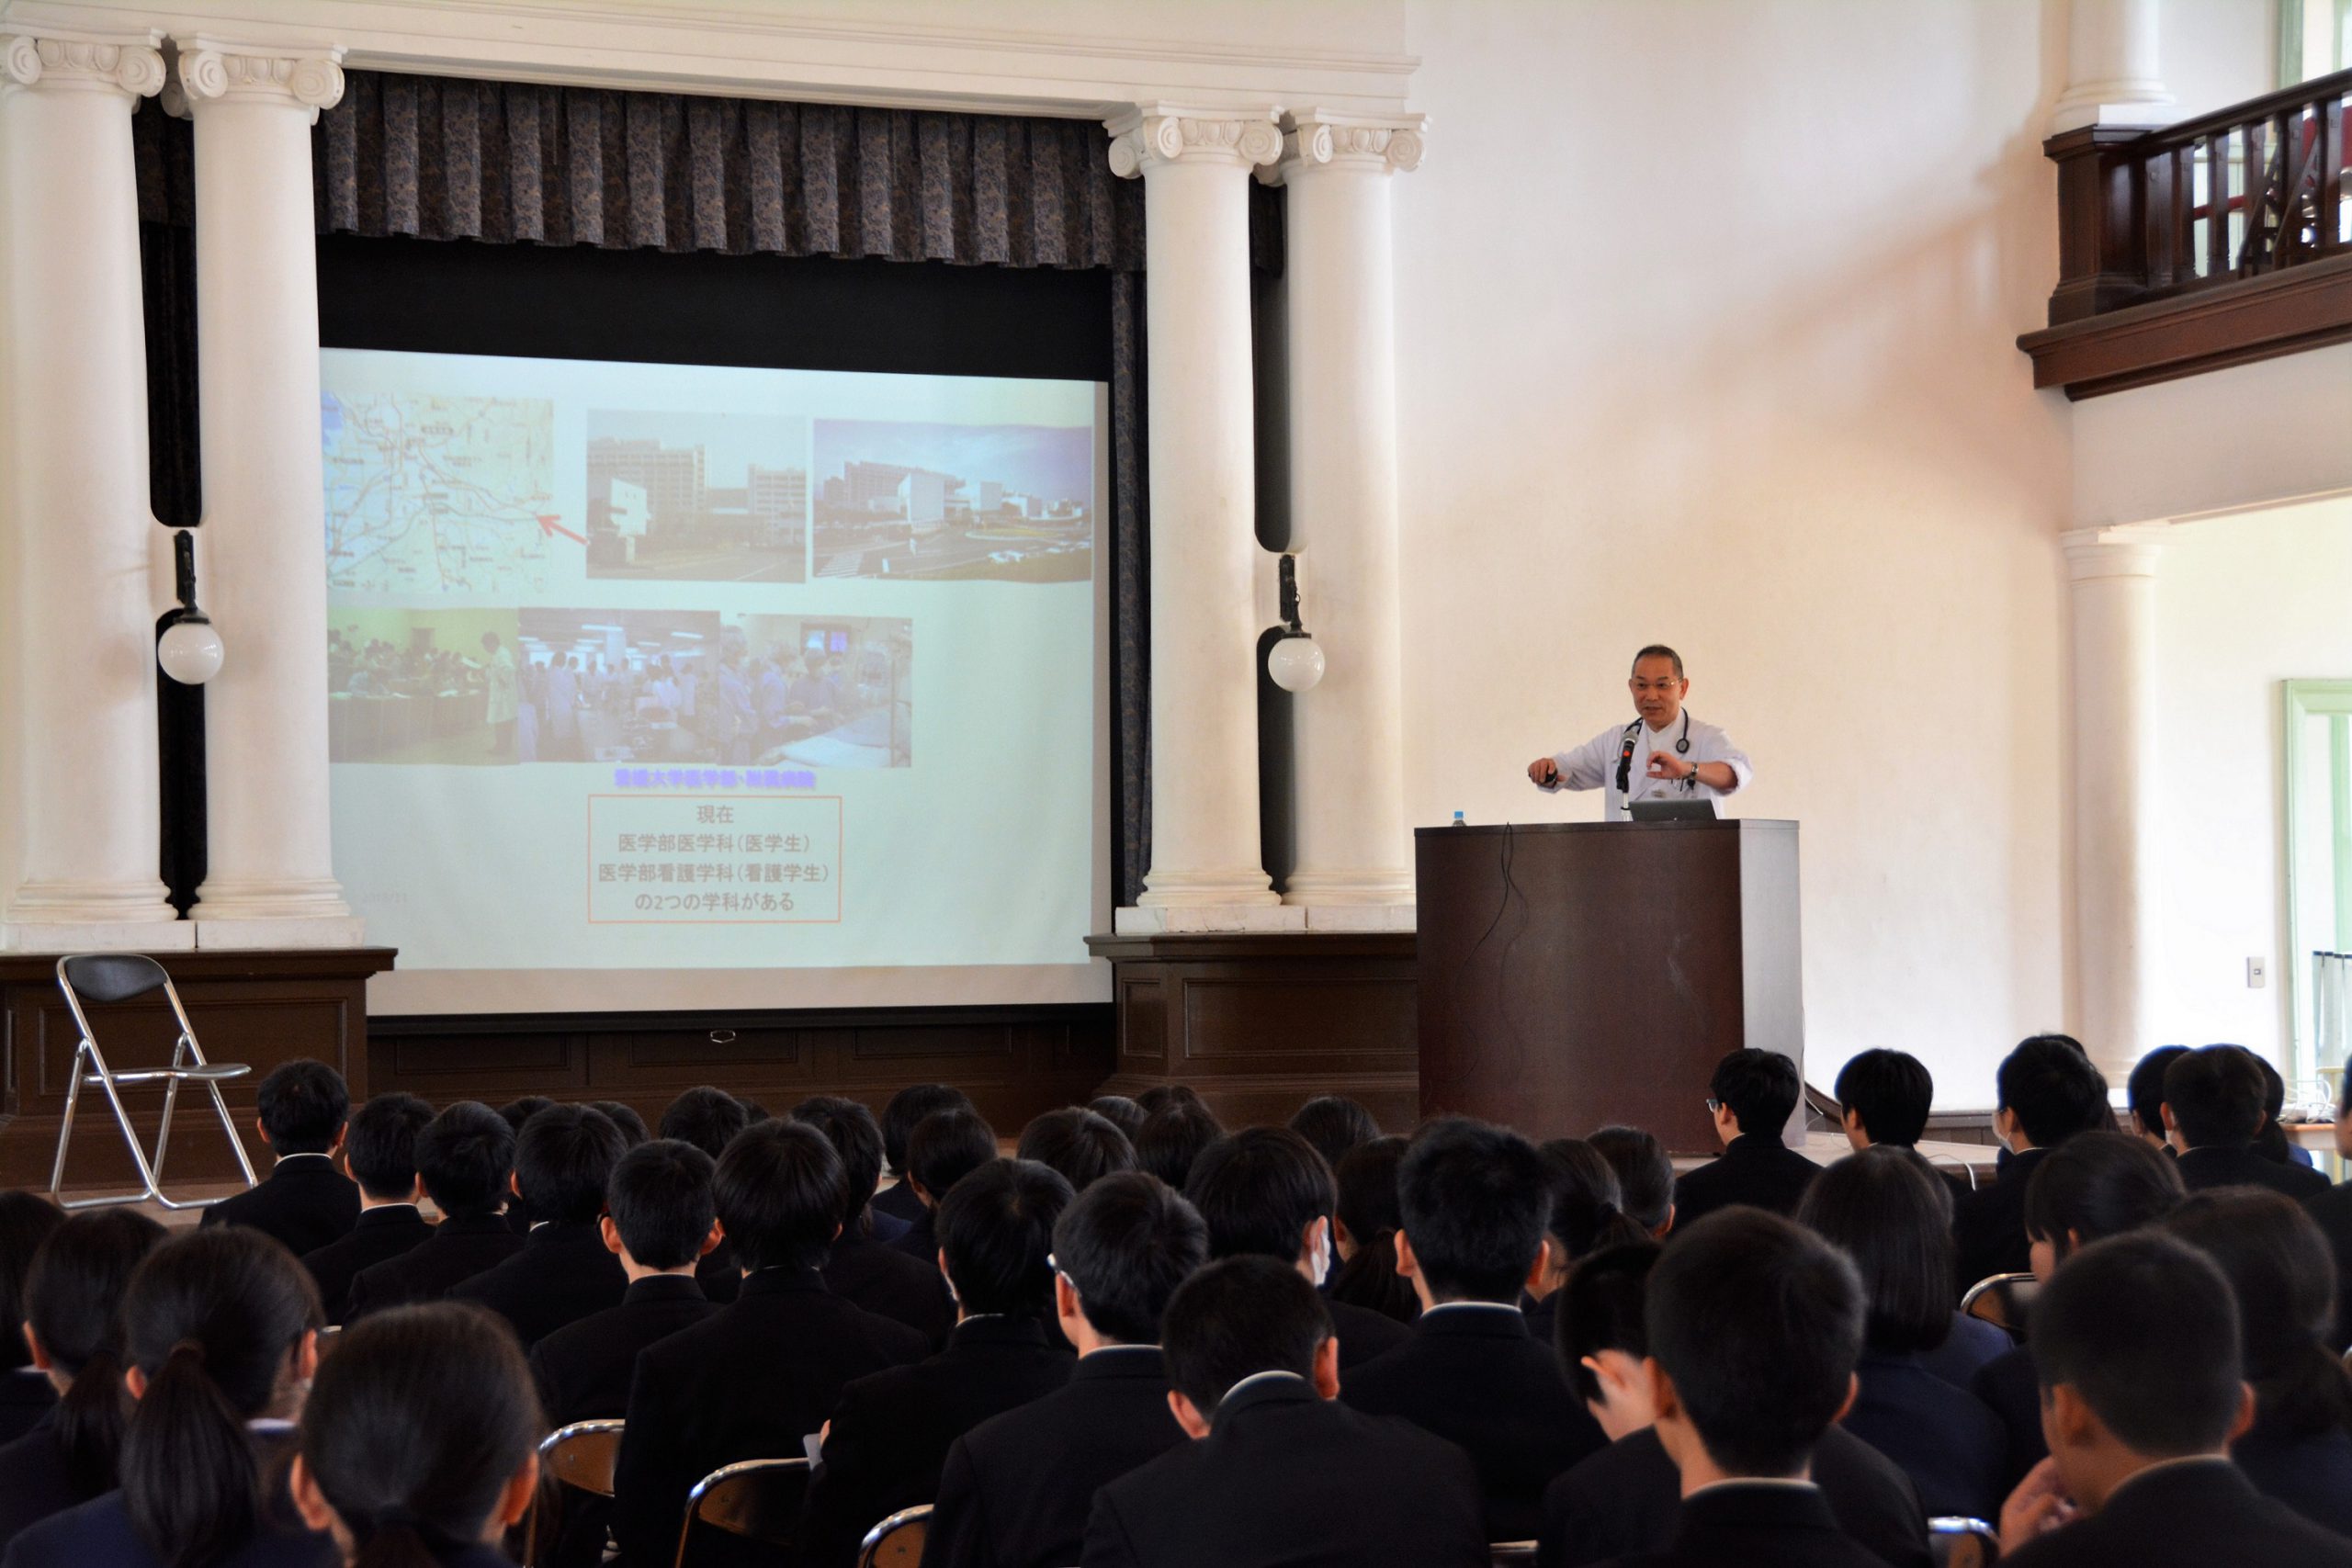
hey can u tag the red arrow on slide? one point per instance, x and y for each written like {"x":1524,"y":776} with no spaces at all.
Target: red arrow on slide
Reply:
{"x":550,"y":523}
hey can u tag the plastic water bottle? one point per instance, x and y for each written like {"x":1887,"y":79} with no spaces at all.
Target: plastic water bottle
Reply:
{"x":1458,"y":822}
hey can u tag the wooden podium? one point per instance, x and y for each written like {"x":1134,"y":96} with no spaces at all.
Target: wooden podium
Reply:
{"x":1574,"y":975}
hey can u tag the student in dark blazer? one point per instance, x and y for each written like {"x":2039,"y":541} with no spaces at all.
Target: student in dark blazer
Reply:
{"x":2136,"y":1345}
{"x":1015,"y":1490}
{"x":2048,"y":1092}
{"x":27,"y":1220}
{"x":944,"y":1147}
{"x":904,"y":1111}
{"x":74,"y":1329}
{"x":1474,"y":1203}
{"x":304,"y":1201}
{"x":1743,"y":1396}
{"x":1265,"y":1192}
{"x":708,"y":1119}
{"x":864,"y":1268}
{"x":1279,"y":1470}
{"x":1753,"y":1095}
{"x":890,"y":1435}
{"x":2213,"y":1107}
{"x":423,"y":1425}
{"x":381,"y":1152}
{"x":465,"y":1157}
{"x":565,"y":1272}
{"x":757,"y":1378}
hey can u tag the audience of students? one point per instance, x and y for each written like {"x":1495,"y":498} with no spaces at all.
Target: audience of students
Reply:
{"x":304,"y":1201}
{"x":1645,"y":1176}
{"x":464,"y":1157}
{"x":1172,"y":1137}
{"x":861,"y":1268}
{"x":1884,"y":1097}
{"x":26,"y":1221}
{"x":1752,"y":1097}
{"x":1364,"y":1222}
{"x":2213,"y":1110}
{"x":1335,"y":1125}
{"x":1084,"y":1148}
{"x":2048,"y":1091}
{"x":380,"y":1150}
{"x":708,"y":1119}
{"x":901,"y":1116}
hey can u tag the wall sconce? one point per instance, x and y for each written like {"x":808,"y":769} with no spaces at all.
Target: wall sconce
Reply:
{"x":189,"y":651}
{"x":1294,"y":662}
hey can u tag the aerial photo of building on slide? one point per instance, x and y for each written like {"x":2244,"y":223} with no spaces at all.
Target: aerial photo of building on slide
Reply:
{"x":1012,"y":502}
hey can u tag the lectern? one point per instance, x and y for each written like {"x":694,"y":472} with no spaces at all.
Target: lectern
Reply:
{"x":1574,"y":975}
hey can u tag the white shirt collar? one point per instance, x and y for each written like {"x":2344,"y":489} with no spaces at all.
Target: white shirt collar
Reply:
{"x":1788,"y":1482}
{"x":306,"y":1153}
{"x":1256,"y":1378}
{"x":1511,"y":1307}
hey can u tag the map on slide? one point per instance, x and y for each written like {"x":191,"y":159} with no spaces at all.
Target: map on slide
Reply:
{"x":435,"y":494}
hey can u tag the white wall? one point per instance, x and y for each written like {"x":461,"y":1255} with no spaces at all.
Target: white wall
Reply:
{"x":2241,"y":603}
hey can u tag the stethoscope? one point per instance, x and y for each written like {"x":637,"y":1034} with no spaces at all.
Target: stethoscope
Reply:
{"x":1632,"y":736}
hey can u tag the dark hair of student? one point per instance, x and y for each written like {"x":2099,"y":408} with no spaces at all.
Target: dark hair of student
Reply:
{"x":74,"y":1302}
{"x":1172,"y":1137}
{"x":1159,"y":1096}
{"x":996,"y":1229}
{"x":214,"y":1319}
{"x":303,"y":1105}
{"x":1367,"y":1207}
{"x":1759,"y":1089}
{"x":415,"y":1428}
{"x":1601,"y":1309}
{"x":27,"y":1220}
{"x":947,"y":1147}
{"x":381,"y":1150}
{"x":909,"y":1107}
{"x":2144,"y":1091}
{"x":1759,"y":1324}
{"x":858,"y":1140}
{"x":1891,"y":1091}
{"x":465,"y":1155}
{"x":778,"y":1191}
{"x":1475,"y":1206}
{"x":1334,"y":1125}
{"x":519,"y":1112}
{"x":633,"y":1128}
{"x":1125,"y":1244}
{"x":2270,"y":1141}
{"x":1587,"y":1204}
{"x":1238,"y":1317}
{"x":1085,"y":1147}
{"x":2215,"y":1094}
{"x":1888,"y":1211}
{"x":705,"y":1117}
{"x":1645,"y":1173}
{"x":2048,"y":1083}
{"x":1258,"y":1190}
{"x":2144,"y":1328}
{"x":2283,"y":1274}
{"x":660,"y":1199}
{"x":563,"y":1159}
{"x":1120,"y":1111}
{"x":2097,"y":1185}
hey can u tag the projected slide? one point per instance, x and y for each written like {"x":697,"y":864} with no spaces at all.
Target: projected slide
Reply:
{"x":658,"y":668}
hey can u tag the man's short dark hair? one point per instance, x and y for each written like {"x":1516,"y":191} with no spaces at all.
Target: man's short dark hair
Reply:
{"x":2216,"y":1096}
{"x":518,"y":1112}
{"x":465,"y":1155}
{"x":2144,"y":1329}
{"x":1759,"y":1324}
{"x":2144,"y":1091}
{"x":1159,"y":1096}
{"x":1890,"y":1213}
{"x":2049,"y":1084}
{"x":660,"y":1199}
{"x":909,"y":1107}
{"x":1238,"y":1317}
{"x":1083,"y":1144}
{"x":1891,"y":1092}
{"x":1658,"y":650}
{"x":947,"y":1147}
{"x":778,"y":1191}
{"x":1258,"y":1190}
{"x":1120,"y":1111}
{"x":857,"y":1139}
{"x":381,"y":1150}
{"x":303,"y":1105}
{"x":1761,"y":1089}
{"x":1334,"y":1125}
{"x":1645,"y":1173}
{"x":1126,"y":1243}
{"x":564,"y":1158}
{"x":1601,"y":1309}
{"x":633,"y":1128}
{"x":996,"y":1231}
{"x":705,"y":1117}
{"x":1172,"y":1137}
{"x":2099,"y":1185}
{"x":1475,"y":1199}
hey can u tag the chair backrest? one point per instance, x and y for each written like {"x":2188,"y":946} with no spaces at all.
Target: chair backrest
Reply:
{"x":583,"y":1455}
{"x":111,"y":977}
{"x":756,"y":1498}
{"x":1511,"y":1553}
{"x":897,"y":1541}
{"x":1957,"y":1543}
{"x":2002,"y":1300}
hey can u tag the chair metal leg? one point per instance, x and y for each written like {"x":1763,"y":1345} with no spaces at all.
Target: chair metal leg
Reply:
{"x":228,"y":1126}
{"x":130,"y":1139}
{"x":65,"y":1123}
{"x":171,"y":1100}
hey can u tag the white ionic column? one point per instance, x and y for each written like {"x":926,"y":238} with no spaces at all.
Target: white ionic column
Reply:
{"x":2114,"y":66}
{"x":2113,"y":574}
{"x":1206,"y":868}
{"x":1348,"y":731}
{"x":80,"y":601}
{"x":270,"y":879}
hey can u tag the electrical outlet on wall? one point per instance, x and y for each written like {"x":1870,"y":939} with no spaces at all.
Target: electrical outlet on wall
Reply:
{"x":2258,"y":973}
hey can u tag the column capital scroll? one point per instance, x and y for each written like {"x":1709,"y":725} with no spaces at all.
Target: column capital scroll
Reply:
{"x":131,"y":63}
{"x":212,"y":70}
{"x":2129,"y":550}
{"x":1323,"y":138}
{"x":1152,"y":134}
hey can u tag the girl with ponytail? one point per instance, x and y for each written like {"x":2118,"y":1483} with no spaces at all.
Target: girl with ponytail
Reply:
{"x":219,"y":1330}
{"x":1364,"y":1232}
{"x":74,"y":1330}
{"x":419,"y":1442}
{"x":1586,"y":1216}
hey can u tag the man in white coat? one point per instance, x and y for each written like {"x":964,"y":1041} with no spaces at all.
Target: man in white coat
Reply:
{"x":1665,"y":754}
